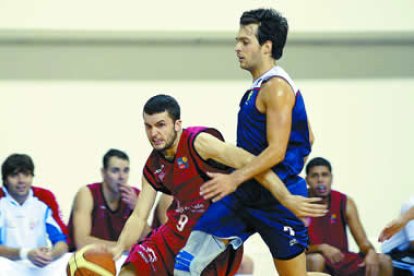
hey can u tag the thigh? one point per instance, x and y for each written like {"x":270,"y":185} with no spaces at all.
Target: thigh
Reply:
{"x":285,"y":235}
{"x":223,"y":219}
{"x":295,"y":266}
{"x":155,"y":255}
{"x":348,"y":266}
{"x":226,"y":264}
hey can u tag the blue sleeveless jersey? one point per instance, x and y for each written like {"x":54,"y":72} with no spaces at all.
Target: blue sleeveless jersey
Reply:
{"x":252,"y":208}
{"x":251,"y":128}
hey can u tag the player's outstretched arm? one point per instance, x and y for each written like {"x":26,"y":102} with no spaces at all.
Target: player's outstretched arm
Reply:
{"x":137,"y":222}
{"x":209,"y":147}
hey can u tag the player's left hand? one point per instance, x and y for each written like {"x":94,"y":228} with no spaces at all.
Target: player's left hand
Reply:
{"x":304,"y":206}
{"x":218,"y":186}
{"x":371,"y":263}
{"x":391,"y":228}
{"x":128,"y":195}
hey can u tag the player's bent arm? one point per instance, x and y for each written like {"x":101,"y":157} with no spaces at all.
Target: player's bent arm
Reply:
{"x":82,"y":220}
{"x":276,"y":100}
{"x":137,"y":221}
{"x":209,"y":147}
{"x":162,"y":207}
{"x":10,"y":253}
{"x":59,"y":249}
{"x":356,"y":228}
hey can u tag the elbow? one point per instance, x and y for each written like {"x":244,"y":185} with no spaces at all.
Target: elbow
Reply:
{"x":277,"y":156}
{"x":80,"y":242}
{"x":311,"y":140}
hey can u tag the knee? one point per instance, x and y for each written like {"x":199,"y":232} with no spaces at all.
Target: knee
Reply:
{"x":246,"y":266}
{"x":315,"y":262}
{"x":183,"y":262}
{"x":385,"y":262}
{"x":128,"y":270}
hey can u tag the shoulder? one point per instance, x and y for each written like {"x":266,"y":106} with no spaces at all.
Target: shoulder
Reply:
{"x":337,"y":194}
{"x":85,"y":193}
{"x":196,"y":132}
{"x":42,"y":193}
{"x":136,"y":190}
{"x":351,"y":208}
{"x":92,"y":188}
{"x":46,"y":196}
{"x":276,"y":92}
{"x":277,"y":84}
{"x":207,"y":146}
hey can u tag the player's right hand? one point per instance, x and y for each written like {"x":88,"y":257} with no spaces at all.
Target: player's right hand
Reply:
{"x":39,"y":257}
{"x":332,"y":253}
{"x":304,"y":206}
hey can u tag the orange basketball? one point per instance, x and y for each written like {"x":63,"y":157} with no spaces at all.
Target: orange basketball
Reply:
{"x":86,"y":262}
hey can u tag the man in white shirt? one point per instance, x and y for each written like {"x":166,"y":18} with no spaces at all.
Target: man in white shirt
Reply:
{"x":29,"y":217}
{"x":401,"y":245}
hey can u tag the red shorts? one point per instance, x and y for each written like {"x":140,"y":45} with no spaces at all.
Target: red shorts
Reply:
{"x":348,"y":266}
{"x":155,"y":255}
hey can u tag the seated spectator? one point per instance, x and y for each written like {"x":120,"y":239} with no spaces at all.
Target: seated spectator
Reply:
{"x":328,"y":250}
{"x":404,"y":220}
{"x":100,"y":210}
{"x":29,"y":217}
{"x":401,"y":245}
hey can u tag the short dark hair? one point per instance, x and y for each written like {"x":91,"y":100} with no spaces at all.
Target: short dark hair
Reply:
{"x":272,"y":26}
{"x":318,"y":161}
{"x":161,"y":103}
{"x":17,"y":163}
{"x":113,"y":153}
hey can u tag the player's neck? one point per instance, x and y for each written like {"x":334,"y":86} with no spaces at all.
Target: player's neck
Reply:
{"x":259,"y":70}
{"x":111,"y":198}
{"x":170,"y":153}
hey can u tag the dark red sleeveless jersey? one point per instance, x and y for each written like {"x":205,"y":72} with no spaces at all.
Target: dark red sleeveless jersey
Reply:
{"x":106,"y":224}
{"x":331,"y":228}
{"x":182,"y":177}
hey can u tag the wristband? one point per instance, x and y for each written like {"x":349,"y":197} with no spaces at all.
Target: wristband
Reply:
{"x":23,"y":253}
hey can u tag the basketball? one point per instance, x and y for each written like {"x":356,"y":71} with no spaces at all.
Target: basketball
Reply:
{"x":86,"y":262}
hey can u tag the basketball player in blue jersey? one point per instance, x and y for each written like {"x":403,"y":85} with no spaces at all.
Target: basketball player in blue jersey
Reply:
{"x":273,"y":125}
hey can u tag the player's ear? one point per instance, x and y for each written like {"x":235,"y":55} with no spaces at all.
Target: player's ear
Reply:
{"x":178,"y":125}
{"x":267,"y":47}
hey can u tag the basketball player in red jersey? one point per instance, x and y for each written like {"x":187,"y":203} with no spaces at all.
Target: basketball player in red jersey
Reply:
{"x":178,"y":166}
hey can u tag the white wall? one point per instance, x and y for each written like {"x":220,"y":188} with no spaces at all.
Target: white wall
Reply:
{"x":213,"y":15}
{"x":363,"y":126}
